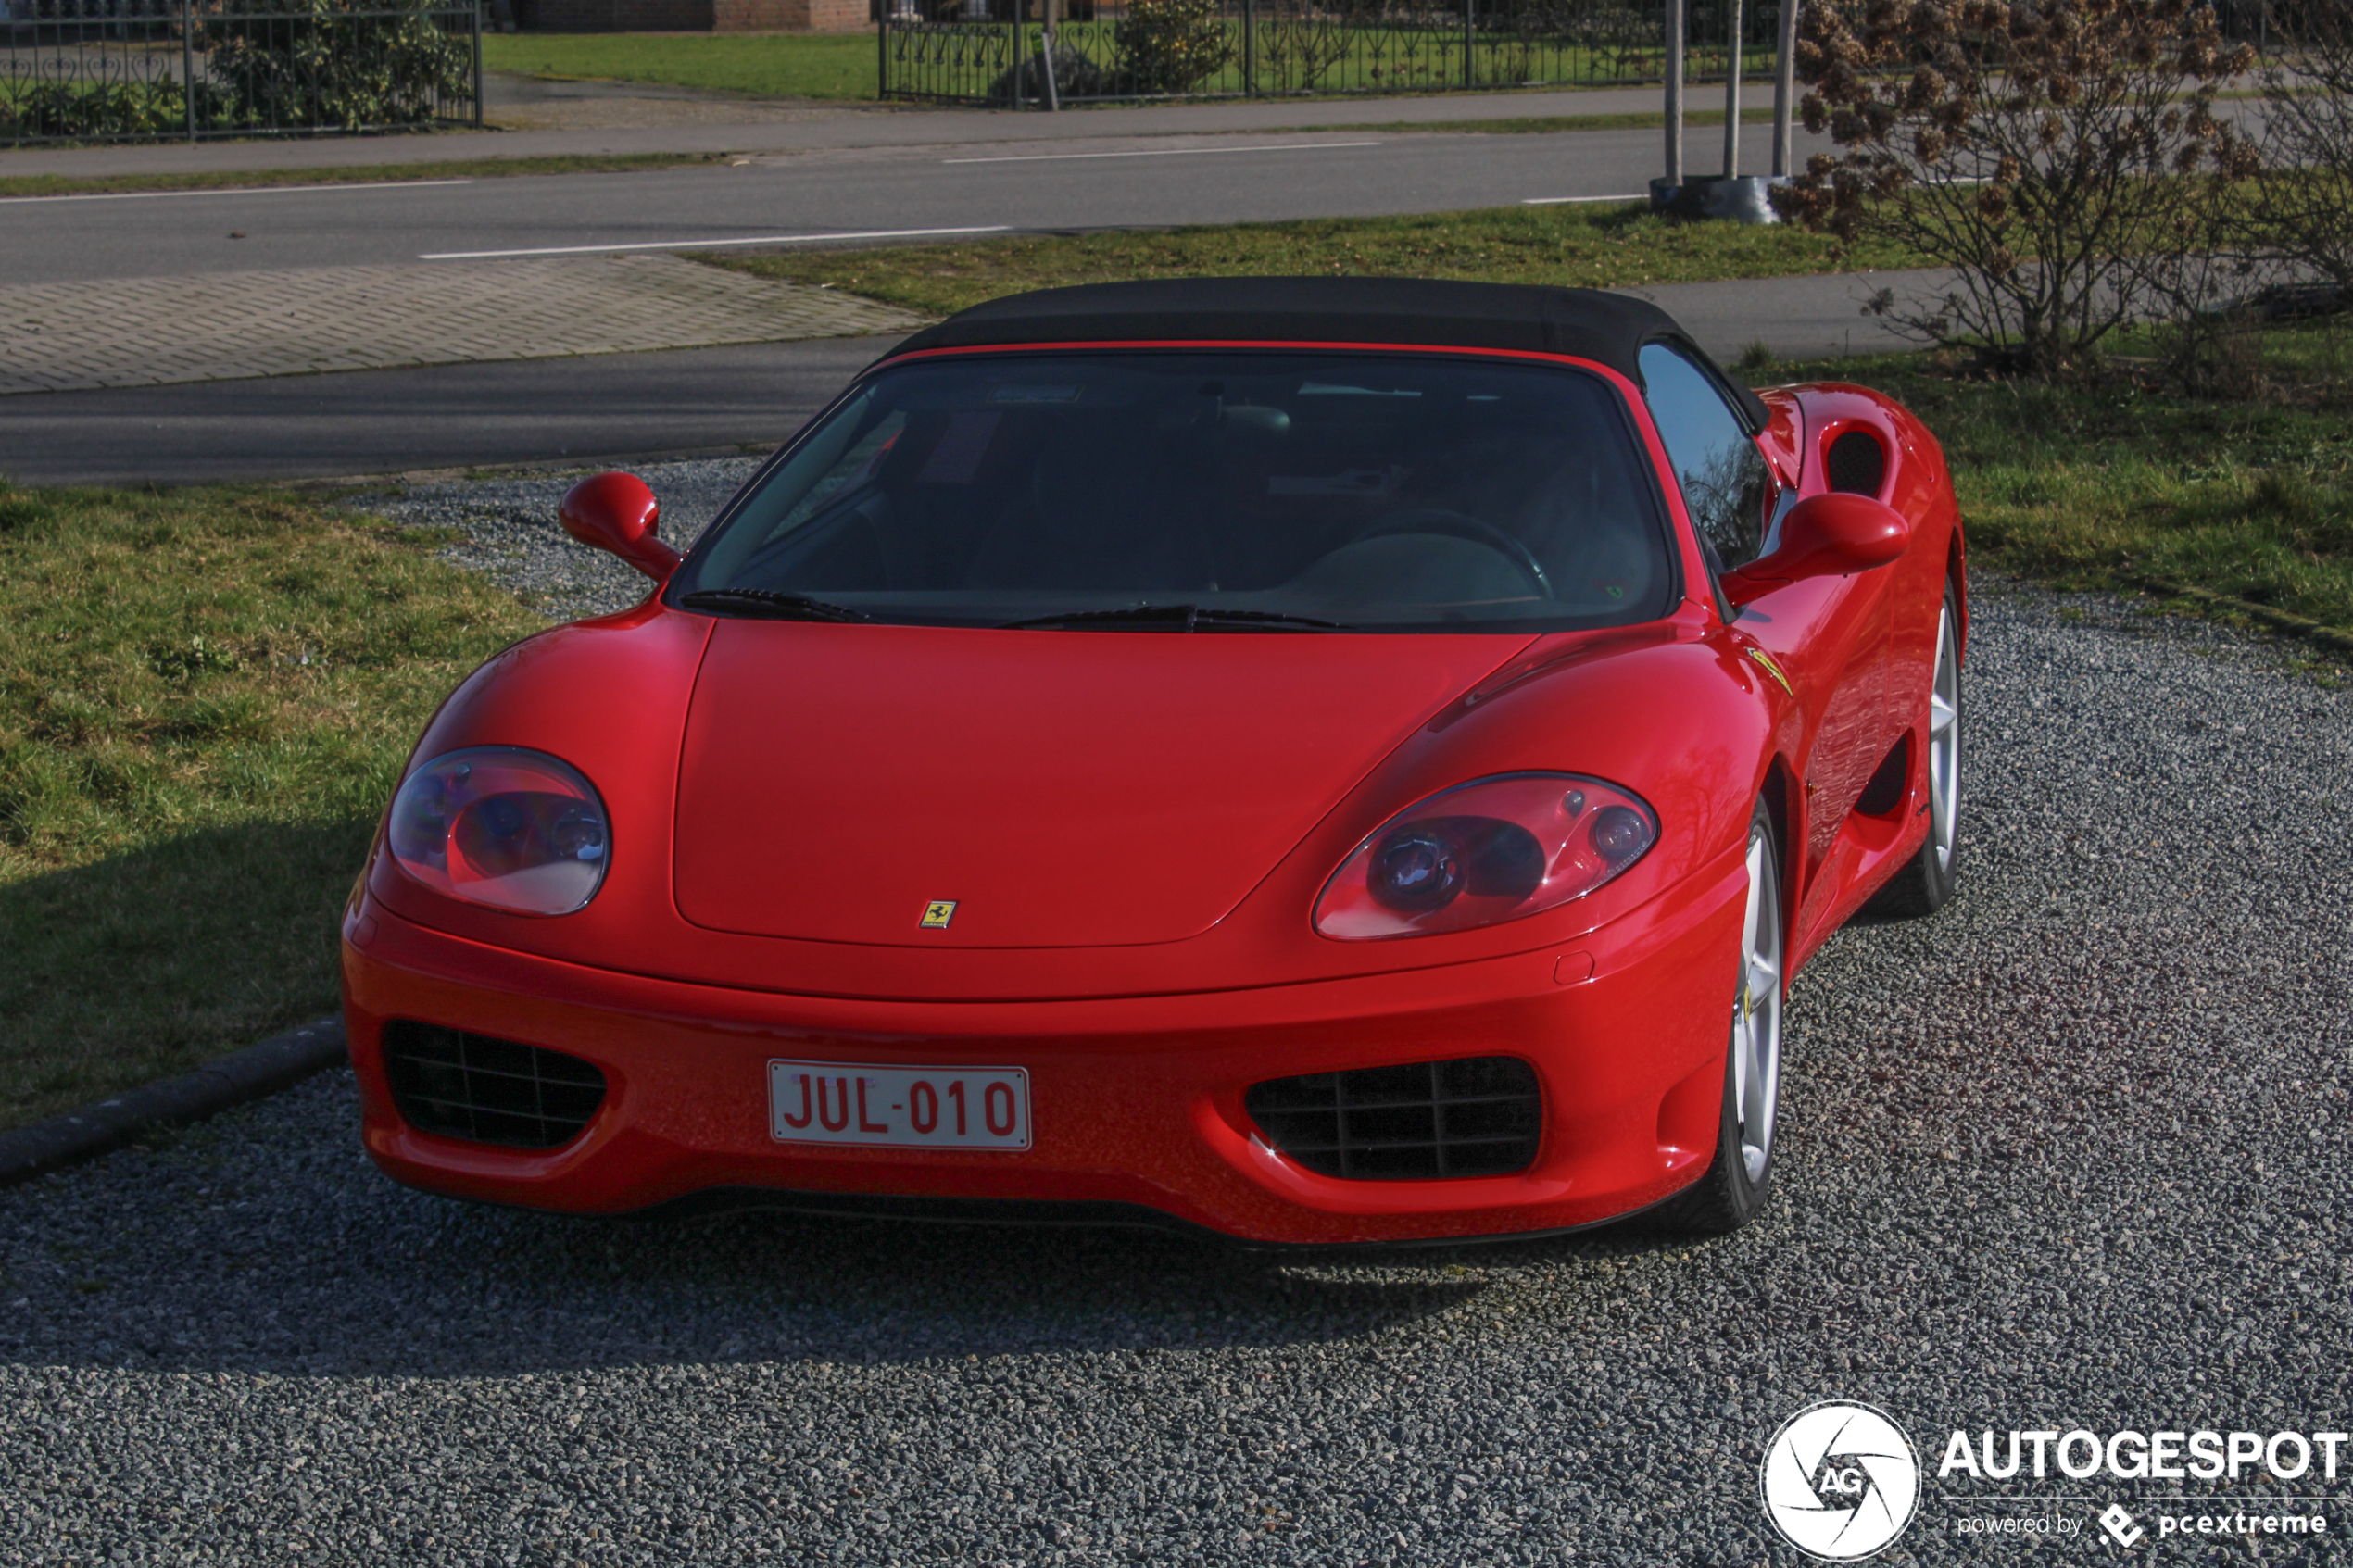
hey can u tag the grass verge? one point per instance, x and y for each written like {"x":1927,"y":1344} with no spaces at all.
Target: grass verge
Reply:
{"x":205,"y":699}
{"x":372,"y":174}
{"x":763,"y":65}
{"x":2105,"y":483}
{"x":1587,"y":246}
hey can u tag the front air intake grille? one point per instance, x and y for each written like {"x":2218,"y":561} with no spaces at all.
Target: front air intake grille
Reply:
{"x":1427,"y":1120}
{"x":487,"y":1090}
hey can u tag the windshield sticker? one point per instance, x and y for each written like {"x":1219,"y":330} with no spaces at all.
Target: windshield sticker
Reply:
{"x":1348,"y":482}
{"x":1333,"y":389}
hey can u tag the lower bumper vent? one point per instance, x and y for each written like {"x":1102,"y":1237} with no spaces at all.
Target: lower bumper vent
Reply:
{"x":1427,"y":1120}
{"x":487,"y":1090}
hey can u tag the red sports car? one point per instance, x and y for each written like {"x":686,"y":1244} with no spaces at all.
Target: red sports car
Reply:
{"x":1309,"y":759}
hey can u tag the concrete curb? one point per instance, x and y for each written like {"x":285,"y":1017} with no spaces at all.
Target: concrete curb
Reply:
{"x":276,"y":1063}
{"x":2280,"y":619}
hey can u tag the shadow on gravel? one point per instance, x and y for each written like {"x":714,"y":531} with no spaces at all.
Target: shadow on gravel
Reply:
{"x":263,"y":1242}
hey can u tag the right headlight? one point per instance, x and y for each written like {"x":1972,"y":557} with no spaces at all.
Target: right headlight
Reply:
{"x":496,"y":825}
{"x":1485,"y":852}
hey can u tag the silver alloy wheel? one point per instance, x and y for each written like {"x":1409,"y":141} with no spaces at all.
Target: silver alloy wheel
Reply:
{"x":1756,"y":1022}
{"x":1944,"y":741}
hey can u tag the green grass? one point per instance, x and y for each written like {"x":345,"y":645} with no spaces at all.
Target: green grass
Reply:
{"x":460,"y":168}
{"x":1591,"y":247}
{"x":2102,"y":483}
{"x":205,"y":700}
{"x":764,"y":65}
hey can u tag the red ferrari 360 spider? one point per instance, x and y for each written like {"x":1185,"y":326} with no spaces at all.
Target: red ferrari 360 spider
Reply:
{"x":1311,"y":760}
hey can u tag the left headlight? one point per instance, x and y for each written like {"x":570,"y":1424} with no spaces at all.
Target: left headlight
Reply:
{"x":1486,"y":852}
{"x":515,"y":830}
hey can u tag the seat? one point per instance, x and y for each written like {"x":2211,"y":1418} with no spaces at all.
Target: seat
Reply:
{"x":1102,"y":514}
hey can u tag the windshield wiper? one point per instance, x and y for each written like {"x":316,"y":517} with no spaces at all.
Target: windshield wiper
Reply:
{"x":770,"y":605}
{"x":1180,"y":618}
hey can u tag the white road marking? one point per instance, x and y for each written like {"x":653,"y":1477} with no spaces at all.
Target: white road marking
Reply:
{"x":1163,"y":152}
{"x":237,"y":191}
{"x":1557,"y":201}
{"x":709,"y":245}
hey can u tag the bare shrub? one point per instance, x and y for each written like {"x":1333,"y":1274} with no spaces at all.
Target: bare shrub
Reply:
{"x":2040,"y":149}
{"x":2301,"y":209}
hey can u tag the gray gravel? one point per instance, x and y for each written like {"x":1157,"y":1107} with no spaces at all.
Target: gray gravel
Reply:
{"x":2074,"y":1152}
{"x":511,"y":532}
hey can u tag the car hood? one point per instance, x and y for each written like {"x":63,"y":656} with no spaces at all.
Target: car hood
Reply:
{"x":1062,"y":789}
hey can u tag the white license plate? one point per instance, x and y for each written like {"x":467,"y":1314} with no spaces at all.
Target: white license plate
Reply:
{"x":898,"y":1107}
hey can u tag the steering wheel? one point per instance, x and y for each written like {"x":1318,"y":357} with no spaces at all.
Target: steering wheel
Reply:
{"x":1462,"y":525}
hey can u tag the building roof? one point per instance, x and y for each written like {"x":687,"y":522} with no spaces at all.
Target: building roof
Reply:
{"x":1608,"y":329}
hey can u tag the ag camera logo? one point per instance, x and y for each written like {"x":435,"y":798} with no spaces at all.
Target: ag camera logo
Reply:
{"x":1840,"y":1481}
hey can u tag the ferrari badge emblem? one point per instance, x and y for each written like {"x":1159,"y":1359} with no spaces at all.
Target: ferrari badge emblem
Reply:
{"x":937,"y":913}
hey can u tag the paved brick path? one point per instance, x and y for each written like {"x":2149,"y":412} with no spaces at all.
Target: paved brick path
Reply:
{"x":146,"y":331}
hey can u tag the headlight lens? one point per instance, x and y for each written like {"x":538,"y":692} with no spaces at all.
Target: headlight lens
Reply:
{"x":514,"y":830}
{"x":1486,"y":852}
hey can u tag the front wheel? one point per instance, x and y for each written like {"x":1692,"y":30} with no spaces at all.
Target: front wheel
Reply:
{"x":1739,"y":1178}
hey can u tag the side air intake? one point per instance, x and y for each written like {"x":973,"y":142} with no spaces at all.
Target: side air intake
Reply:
{"x":487,"y":1090}
{"x":1426,"y":1121}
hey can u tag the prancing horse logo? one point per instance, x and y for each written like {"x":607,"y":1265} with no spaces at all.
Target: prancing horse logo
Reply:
{"x":937,"y":913}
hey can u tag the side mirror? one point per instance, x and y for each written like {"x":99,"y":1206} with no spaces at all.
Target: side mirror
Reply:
{"x":616,"y":512}
{"x":1826,"y":536}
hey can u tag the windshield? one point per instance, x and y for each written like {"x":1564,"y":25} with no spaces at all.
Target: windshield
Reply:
{"x":1203,"y":490}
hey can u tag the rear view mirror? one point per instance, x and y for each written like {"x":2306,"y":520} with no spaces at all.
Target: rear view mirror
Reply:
{"x":616,"y":512}
{"x":1827,"y":536}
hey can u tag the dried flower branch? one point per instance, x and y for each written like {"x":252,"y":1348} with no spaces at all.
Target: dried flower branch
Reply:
{"x":2040,"y":148}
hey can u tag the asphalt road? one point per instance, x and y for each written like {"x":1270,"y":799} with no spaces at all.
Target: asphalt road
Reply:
{"x":2076,"y":1152}
{"x":1108,"y":181}
{"x":607,"y":410}
{"x":613,"y":408}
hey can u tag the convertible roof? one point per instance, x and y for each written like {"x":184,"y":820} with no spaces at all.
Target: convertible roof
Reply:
{"x":1608,"y":329}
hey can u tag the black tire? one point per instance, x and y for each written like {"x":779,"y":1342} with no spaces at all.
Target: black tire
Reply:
{"x":1929,"y":879}
{"x":1740,"y":1179}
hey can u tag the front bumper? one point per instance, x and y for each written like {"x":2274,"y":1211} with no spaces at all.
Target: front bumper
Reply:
{"x":1135,"y":1101}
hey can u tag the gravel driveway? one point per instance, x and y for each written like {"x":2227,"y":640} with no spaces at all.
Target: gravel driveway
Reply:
{"x":2074,"y":1154}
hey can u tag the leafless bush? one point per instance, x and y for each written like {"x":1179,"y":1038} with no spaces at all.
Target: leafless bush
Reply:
{"x":2301,"y":209}
{"x":2041,"y":149}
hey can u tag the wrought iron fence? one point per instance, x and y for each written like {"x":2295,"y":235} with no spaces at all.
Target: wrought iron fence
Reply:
{"x":128,"y":70}
{"x":995,"y":51}
{"x":966,"y":51}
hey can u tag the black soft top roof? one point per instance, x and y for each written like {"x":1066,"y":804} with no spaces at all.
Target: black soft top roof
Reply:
{"x":1608,"y":329}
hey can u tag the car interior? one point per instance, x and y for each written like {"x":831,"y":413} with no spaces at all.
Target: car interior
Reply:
{"x":1361,"y":490}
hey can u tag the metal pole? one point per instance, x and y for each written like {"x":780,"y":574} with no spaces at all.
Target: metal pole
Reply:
{"x":1732,"y":94}
{"x":1470,"y":73}
{"x":1046,"y":54}
{"x":882,"y":51}
{"x":1249,"y":48}
{"x":1013,"y":20}
{"x":1674,"y":41}
{"x":188,"y":66}
{"x":477,"y":66}
{"x":1785,"y":92}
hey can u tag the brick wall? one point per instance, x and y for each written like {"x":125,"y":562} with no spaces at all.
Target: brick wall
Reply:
{"x":694,"y":15}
